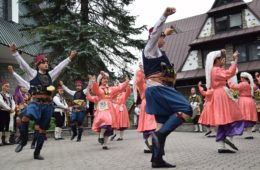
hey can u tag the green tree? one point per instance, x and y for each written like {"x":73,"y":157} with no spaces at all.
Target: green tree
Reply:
{"x":100,"y":30}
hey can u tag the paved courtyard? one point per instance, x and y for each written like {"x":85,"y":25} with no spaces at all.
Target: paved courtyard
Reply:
{"x":187,"y":150}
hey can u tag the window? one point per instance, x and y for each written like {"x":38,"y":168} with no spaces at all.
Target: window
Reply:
{"x":242,"y":50}
{"x":248,"y":51}
{"x":254,"y":51}
{"x":235,"y":21}
{"x":221,"y":24}
{"x":6,"y":9}
{"x":2,"y":9}
{"x":229,"y":22}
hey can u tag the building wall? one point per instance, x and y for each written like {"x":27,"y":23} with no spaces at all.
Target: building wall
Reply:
{"x":192,"y":61}
{"x":207,"y":29}
{"x":250,"y":19}
{"x":229,"y":53}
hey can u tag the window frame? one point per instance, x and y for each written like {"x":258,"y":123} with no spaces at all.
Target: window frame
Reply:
{"x":228,"y":21}
{"x":247,"y":44}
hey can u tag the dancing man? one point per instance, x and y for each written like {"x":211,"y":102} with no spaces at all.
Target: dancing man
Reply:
{"x":169,"y":106}
{"x":40,"y":107}
{"x":78,"y":109}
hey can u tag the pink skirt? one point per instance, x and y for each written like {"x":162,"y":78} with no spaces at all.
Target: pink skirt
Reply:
{"x":122,"y":117}
{"x":248,"y":108}
{"x":146,"y":121}
{"x":101,"y":118}
{"x":221,"y":109}
{"x":205,"y":115}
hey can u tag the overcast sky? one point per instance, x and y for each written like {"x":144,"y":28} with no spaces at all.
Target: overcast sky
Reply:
{"x":149,"y":11}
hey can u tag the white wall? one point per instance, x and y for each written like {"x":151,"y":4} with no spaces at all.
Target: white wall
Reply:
{"x":15,"y":11}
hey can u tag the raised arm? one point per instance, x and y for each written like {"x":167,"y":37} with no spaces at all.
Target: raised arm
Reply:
{"x":93,"y":99}
{"x":117,"y":89}
{"x":19,"y":79}
{"x":128,"y":92}
{"x":58,"y":69}
{"x":202,"y":92}
{"x":22,"y":63}
{"x":151,"y":49}
{"x":238,"y":87}
{"x":95,"y":88}
{"x":70,"y":92}
{"x":227,"y":74}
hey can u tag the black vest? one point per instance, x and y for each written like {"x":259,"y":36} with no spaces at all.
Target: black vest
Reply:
{"x":159,"y":65}
{"x":154,"y":65}
{"x":79,"y":95}
{"x":39,"y":84}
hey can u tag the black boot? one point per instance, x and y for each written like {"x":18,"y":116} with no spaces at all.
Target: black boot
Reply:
{"x":228,"y":142}
{"x":4,"y":141}
{"x":23,"y":137}
{"x":74,"y":132}
{"x":148,"y":145}
{"x":80,"y":130}
{"x":101,"y":141}
{"x":40,"y":141}
{"x":112,"y":137}
{"x":158,"y":151}
{"x":12,"y":138}
{"x":35,"y":136}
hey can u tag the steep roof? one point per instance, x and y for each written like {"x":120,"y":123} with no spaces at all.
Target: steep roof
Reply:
{"x":11,"y":32}
{"x":255,"y":7}
{"x":177,"y":45}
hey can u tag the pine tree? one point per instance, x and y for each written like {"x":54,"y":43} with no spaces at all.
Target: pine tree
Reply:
{"x":100,"y":30}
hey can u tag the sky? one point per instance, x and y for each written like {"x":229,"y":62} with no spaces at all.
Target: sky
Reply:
{"x":149,"y":11}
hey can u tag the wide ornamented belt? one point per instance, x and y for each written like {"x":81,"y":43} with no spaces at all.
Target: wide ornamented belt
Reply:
{"x":162,"y":80}
{"x":77,"y":108}
{"x":42,"y":100}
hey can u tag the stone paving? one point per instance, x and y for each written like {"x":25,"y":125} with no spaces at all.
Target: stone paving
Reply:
{"x":187,"y":150}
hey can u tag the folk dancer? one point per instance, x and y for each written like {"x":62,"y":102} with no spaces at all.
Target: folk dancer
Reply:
{"x":40,"y":107}
{"x":162,"y":100}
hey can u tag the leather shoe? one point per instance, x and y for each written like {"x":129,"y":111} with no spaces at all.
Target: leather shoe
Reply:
{"x":147,"y":151}
{"x":162,"y":164}
{"x":225,"y":151}
{"x":19,"y":148}
{"x":38,"y":157}
{"x":209,"y":132}
{"x":249,"y":137}
{"x":112,"y":137}
{"x":105,"y":148}
{"x":228,"y":142}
